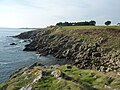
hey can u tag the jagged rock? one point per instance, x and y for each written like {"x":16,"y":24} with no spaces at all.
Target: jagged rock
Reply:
{"x":78,"y":51}
{"x":28,"y":87}
{"x":66,"y":53}
{"x":39,"y":76}
{"x":27,"y":40}
{"x":56,"y":73}
{"x":55,"y":67}
{"x":13,"y":44}
{"x":96,"y":54}
{"x":76,"y":61}
{"x":69,"y":67}
{"x":35,"y":64}
{"x":75,"y":46}
{"x":81,"y":48}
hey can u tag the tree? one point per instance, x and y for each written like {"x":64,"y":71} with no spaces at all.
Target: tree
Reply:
{"x":59,"y":24}
{"x":65,"y":24}
{"x":118,"y":24}
{"x":85,"y":23}
{"x":92,"y":23}
{"x":107,"y":23}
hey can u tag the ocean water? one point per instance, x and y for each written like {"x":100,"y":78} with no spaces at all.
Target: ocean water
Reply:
{"x":12,"y":57}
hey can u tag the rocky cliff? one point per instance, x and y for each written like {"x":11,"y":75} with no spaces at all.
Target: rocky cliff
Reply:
{"x":86,"y":47}
{"x":90,"y":47}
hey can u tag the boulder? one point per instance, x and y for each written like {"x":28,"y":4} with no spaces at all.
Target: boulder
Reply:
{"x":56,"y":73}
{"x":39,"y":76}
{"x":66,"y":52}
{"x":13,"y":44}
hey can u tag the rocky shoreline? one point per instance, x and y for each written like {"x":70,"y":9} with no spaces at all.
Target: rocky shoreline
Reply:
{"x":78,"y":52}
{"x":93,"y":61}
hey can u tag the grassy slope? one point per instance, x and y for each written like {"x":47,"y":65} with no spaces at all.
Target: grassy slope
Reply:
{"x":80,"y":80}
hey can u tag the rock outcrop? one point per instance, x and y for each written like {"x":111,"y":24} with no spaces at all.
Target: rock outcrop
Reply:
{"x":13,"y":44}
{"x":56,"y":73}
{"x":87,"y":48}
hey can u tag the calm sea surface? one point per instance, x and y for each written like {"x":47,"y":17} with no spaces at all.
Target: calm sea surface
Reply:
{"x":12,"y":57}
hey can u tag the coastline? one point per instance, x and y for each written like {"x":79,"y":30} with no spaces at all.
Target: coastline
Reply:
{"x":86,"y":50}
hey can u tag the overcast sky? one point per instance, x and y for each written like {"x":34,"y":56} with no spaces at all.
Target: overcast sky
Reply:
{"x":41,"y":13}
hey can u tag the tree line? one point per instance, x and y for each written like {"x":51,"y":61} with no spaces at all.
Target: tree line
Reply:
{"x":86,"y":23}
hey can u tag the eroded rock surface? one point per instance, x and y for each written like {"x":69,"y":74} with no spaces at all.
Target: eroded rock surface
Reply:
{"x":82,"y":49}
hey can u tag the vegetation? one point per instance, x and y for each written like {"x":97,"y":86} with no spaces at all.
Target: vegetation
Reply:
{"x":118,"y":24}
{"x":86,"y":23}
{"x":73,"y":79}
{"x":93,"y":34}
{"x":70,"y":77}
{"x":107,"y":23}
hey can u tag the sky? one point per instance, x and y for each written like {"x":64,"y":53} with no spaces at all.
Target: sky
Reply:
{"x":42,"y":13}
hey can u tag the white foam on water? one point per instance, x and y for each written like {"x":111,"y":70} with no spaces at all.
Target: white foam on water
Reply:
{"x":3,"y":63}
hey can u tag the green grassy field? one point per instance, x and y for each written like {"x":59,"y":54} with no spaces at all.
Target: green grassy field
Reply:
{"x":90,"y":27}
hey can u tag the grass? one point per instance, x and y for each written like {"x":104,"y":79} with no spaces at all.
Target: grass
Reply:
{"x":51,"y":83}
{"x":109,"y":35}
{"x":15,"y":83}
{"x":89,"y":27}
{"x":116,"y":83}
{"x":66,"y":85}
{"x":93,"y":78}
{"x":44,"y":83}
{"x":80,"y":80}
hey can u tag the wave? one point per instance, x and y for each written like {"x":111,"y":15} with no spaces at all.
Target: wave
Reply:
{"x":3,"y":63}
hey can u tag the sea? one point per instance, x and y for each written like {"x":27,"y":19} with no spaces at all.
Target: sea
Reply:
{"x":12,"y":57}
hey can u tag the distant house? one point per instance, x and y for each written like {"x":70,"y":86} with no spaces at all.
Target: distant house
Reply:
{"x":118,"y":24}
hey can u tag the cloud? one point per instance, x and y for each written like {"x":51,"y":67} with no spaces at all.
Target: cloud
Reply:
{"x":40,"y":13}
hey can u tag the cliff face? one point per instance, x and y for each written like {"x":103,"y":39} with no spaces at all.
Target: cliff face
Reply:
{"x":86,"y":47}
